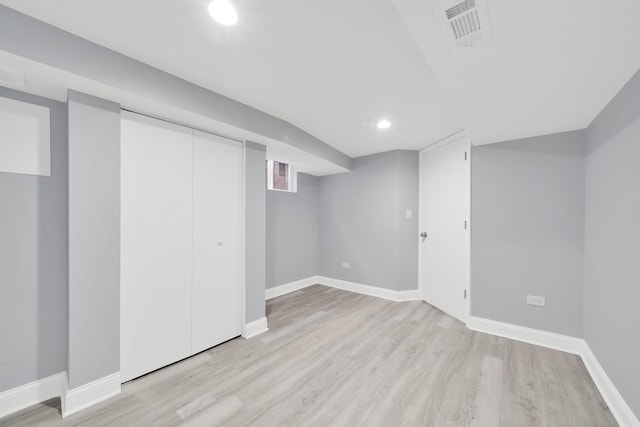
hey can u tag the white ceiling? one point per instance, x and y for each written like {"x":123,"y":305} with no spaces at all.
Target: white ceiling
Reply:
{"x":549,"y":66}
{"x":335,"y":67}
{"x":332,"y":68}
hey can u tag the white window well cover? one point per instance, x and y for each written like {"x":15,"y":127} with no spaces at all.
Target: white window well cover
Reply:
{"x":24,"y":138}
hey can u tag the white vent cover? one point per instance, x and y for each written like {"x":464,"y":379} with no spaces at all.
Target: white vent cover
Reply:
{"x":464,"y":22}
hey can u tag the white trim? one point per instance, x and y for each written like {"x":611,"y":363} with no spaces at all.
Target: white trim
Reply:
{"x":35,"y":392}
{"x":241,"y":252}
{"x":449,"y":139}
{"x":243,"y":244}
{"x":532,"y":336}
{"x":374,"y":291}
{"x":255,"y":328}
{"x":469,"y":227}
{"x":619,"y":408}
{"x":421,"y":224}
{"x":412,"y":295}
{"x":87,"y":395}
{"x":292,"y":177}
{"x":291,"y":287}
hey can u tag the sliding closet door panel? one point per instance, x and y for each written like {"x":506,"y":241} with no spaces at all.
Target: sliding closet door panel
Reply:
{"x":217,"y":188}
{"x":156,"y":238}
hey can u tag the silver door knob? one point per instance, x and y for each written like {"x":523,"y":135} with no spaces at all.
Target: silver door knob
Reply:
{"x":423,"y":234}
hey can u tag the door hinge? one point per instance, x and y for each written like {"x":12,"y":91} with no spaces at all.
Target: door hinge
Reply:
{"x":465,"y":224}
{"x":465,"y":155}
{"x":465,"y":294}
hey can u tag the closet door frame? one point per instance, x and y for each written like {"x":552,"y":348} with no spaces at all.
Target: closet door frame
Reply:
{"x":242,"y":208}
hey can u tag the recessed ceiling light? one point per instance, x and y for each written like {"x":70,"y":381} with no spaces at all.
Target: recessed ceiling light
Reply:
{"x":383,"y":124}
{"x":222,"y":11}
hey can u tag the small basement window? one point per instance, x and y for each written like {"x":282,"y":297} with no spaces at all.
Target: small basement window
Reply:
{"x":281,"y":176}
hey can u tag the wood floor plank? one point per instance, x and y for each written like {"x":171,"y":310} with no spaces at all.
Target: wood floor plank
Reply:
{"x":335,"y":358}
{"x":216,"y":414}
{"x":488,"y":404}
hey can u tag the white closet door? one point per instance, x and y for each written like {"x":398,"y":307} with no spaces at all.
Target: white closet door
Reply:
{"x":156,"y":245}
{"x":217,"y":166}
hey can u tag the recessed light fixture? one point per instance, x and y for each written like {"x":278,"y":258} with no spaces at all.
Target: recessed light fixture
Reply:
{"x":383,"y":124}
{"x":223,"y":12}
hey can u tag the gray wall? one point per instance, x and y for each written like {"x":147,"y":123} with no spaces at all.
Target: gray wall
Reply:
{"x":528,"y":231}
{"x":255,"y":225}
{"x":362,"y":221}
{"x":24,"y":36}
{"x":94,"y":239}
{"x":408,"y":180}
{"x":33,"y":262}
{"x":293,"y":235}
{"x":612,"y":247}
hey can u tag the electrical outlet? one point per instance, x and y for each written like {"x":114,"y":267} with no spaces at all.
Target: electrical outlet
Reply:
{"x":537,"y":301}
{"x":346,"y":265}
{"x":408,"y":214}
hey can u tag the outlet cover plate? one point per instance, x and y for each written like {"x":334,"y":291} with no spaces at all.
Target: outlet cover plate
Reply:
{"x":537,"y":301}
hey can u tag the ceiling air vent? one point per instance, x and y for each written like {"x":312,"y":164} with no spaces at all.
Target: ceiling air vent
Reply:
{"x":464,"y":23}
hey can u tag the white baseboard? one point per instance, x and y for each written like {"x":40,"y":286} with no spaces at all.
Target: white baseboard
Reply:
{"x":290,"y":287}
{"x":255,"y":328}
{"x":529,"y":335}
{"x":31,"y":394}
{"x":619,"y":408}
{"x":87,"y":395}
{"x":374,"y":291}
{"x":412,"y":295}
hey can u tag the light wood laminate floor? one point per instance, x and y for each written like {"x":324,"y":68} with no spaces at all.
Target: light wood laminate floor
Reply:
{"x":341,"y":359}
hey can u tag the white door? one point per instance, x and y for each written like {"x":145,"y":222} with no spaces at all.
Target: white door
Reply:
{"x":217,"y":166}
{"x":156,"y":244}
{"x":444,"y":220}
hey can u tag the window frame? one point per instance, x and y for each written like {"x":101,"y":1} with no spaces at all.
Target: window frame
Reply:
{"x":292,"y":177}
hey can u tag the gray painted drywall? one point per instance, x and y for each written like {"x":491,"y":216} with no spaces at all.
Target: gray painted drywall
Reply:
{"x":33,"y":262}
{"x":408,"y":180}
{"x":362,"y":221}
{"x":94,"y":239}
{"x":527,"y":223}
{"x":26,"y":36}
{"x":293,"y":235}
{"x":255,"y":157}
{"x":612,"y":245}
